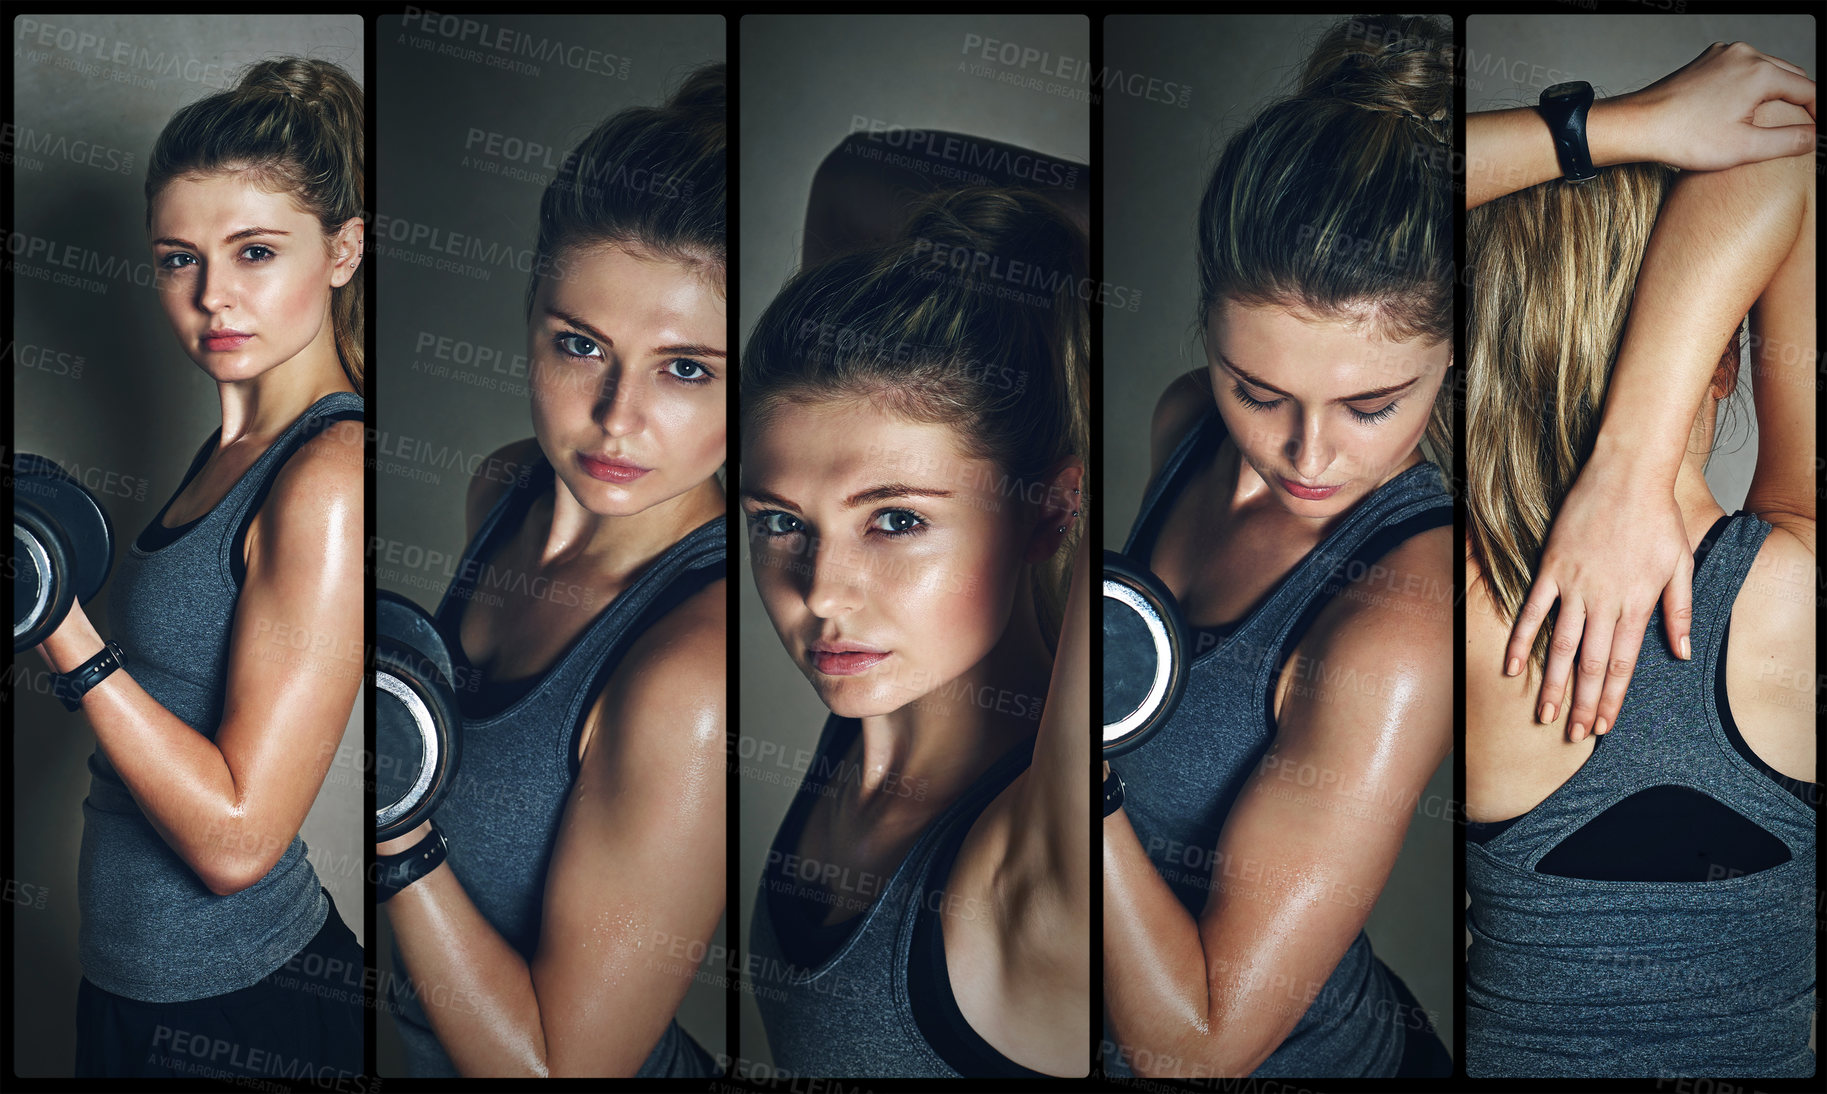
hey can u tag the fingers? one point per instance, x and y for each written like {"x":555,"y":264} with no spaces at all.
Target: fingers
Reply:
{"x":1678,"y":608}
{"x":1589,"y":672}
{"x":1562,"y":645}
{"x":1785,"y":65}
{"x":1528,"y":622}
{"x":1625,"y":645}
{"x":1794,"y":88}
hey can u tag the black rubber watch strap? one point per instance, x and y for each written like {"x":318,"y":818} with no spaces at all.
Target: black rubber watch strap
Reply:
{"x":1564,"y":107}
{"x":1113,"y":792}
{"x":394,"y":872}
{"x":71,"y":686}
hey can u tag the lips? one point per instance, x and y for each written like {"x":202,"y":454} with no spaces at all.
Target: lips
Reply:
{"x":1310,"y":493}
{"x":611,"y":470}
{"x":221,"y":341}
{"x":845,"y":658}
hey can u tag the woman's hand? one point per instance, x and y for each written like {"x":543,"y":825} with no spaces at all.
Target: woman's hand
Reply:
{"x":1618,"y":545}
{"x":1699,"y":117}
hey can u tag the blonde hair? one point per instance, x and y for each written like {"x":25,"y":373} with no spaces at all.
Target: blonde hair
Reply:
{"x":1553,"y":271}
{"x":975,"y":317}
{"x":1339,"y":198}
{"x":295,"y":125}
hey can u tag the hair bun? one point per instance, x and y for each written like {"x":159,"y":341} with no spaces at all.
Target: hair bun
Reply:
{"x":1010,"y":224}
{"x":1386,"y":63}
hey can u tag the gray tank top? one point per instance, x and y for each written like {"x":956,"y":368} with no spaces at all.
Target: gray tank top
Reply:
{"x":1182,"y":783}
{"x":1573,"y":977}
{"x":519,"y":756}
{"x":851,"y":1013}
{"x":151,"y":930}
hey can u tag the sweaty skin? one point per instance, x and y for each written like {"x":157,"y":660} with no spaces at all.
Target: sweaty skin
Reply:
{"x":628,"y":363}
{"x":230,"y":807}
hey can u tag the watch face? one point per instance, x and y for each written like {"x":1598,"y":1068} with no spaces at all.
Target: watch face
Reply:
{"x":1572,"y":90}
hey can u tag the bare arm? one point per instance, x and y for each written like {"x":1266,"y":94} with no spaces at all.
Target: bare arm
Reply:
{"x":230,"y":807}
{"x":1300,"y":859}
{"x":1617,"y":540}
{"x":634,"y":889}
{"x":1699,"y":118}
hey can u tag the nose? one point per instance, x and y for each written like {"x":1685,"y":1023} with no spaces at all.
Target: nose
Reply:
{"x":836,"y":582}
{"x":622,"y":407}
{"x":215,"y":288}
{"x":1309,"y":450}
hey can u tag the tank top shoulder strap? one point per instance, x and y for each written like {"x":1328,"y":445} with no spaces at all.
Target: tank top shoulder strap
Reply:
{"x":245,"y":499}
{"x":502,"y":521}
{"x":1725,"y":557}
{"x":1193,"y":450}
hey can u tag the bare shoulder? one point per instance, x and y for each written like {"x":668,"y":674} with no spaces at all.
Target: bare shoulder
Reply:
{"x":668,"y":697}
{"x":1181,"y":405}
{"x":1384,"y":644}
{"x":322,"y":481}
{"x":493,"y":476}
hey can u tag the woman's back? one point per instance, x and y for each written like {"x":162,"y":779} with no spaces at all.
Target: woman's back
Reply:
{"x":1645,"y":878}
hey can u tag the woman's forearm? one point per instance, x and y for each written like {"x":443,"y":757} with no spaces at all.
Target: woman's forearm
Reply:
{"x":1718,"y":240}
{"x":179,"y":777}
{"x":1157,"y":975}
{"x":476,"y":990}
{"x":1511,"y":150}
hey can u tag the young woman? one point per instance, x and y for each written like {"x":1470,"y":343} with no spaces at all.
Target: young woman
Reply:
{"x":913,"y":460}
{"x":585,"y":830}
{"x":1298,"y":519}
{"x":200,"y":912}
{"x":1654,"y":840}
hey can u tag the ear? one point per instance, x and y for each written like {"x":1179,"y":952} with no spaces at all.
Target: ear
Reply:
{"x":1060,"y":512}
{"x":346,"y":251}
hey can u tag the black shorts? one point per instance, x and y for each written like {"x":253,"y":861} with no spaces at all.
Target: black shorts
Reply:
{"x":301,"y":1021}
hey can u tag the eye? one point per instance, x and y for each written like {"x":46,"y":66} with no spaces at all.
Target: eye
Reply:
{"x":572,"y":344}
{"x":897,"y":522}
{"x":688,"y":370}
{"x":257,"y":252}
{"x":1253,"y":403}
{"x":774,"y":523}
{"x":171,"y":260}
{"x":1371,"y":417}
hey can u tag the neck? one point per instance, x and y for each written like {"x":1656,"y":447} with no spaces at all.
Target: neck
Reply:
{"x":623,"y":544}
{"x":263,"y":405}
{"x":1699,"y":508}
{"x":940,"y":743}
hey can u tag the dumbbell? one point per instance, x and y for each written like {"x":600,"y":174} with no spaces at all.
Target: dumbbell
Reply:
{"x":418,"y":726}
{"x":1146,"y":656}
{"x":63,"y":547}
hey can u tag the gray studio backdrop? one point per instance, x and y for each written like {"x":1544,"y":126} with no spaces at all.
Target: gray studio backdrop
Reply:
{"x":1201,"y":78}
{"x":102,"y":386}
{"x":469,"y":137}
{"x":805,"y":81}
{"x":1510,"y":59}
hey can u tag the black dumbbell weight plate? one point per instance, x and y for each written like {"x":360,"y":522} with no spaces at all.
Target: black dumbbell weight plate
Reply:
{"x":418,"y":728}
{"x":1146,"y":660}
{"x":63,"y":547}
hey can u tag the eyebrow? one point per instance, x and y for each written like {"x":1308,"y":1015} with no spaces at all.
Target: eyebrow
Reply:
{"x":1375,"y":393}
{"x":884,"y":492}
{"x":683,"y":350}
{"x":245,"y":233}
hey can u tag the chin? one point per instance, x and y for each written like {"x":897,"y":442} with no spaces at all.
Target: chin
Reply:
{"x":851,"y":698}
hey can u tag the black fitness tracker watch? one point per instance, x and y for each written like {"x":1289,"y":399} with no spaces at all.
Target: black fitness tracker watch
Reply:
{"x":1564,"y":108}
{"x":70,"y":687}
{"x":1113,"y":792}
{"x":395,"y":872}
